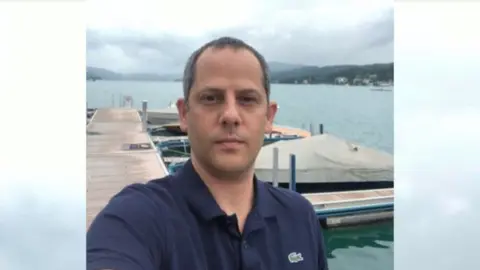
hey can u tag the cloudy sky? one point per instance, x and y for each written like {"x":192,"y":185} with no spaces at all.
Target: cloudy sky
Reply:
{"x":157,"y":36}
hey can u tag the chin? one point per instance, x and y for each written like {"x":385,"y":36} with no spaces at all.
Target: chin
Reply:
{"x":230,"y":164}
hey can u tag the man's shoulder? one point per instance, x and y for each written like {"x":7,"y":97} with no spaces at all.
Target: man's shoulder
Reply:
{"x":289,"y":200}
{"x":134,"y":222}
{"x":141,"y":201}
{"x":155,"y":190}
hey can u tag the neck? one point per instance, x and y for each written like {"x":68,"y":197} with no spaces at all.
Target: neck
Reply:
{"x":234,"y":195}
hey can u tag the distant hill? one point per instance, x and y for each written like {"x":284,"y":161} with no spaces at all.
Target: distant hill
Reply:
{"x":105,"y":74}
{"x":279,"y":73}
{"x":328,"y":74}
{"x":279,"y":66}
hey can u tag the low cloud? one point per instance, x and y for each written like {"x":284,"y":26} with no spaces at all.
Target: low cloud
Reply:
{"x":291,"y":39}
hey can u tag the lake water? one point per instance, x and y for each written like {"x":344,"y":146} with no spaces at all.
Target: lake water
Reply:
{"x":354,"y":113}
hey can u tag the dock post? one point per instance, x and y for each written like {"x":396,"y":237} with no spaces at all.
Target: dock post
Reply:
{"x":320,"y":128}
{"x":275,"y":167}
{"x":311,"y":129}
{"x":293,"y":172}
{"x":144,"y":116}
{"x":184,"y":146}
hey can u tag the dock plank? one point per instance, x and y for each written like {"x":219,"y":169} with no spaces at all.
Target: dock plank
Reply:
{"x":335,"y":197}
{"x":110,"y":165}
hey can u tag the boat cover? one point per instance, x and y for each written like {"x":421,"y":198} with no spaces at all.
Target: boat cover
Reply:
{"x":325,"y":158}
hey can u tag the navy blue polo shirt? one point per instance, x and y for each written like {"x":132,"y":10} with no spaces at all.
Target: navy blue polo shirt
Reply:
{"x":174,"y":223}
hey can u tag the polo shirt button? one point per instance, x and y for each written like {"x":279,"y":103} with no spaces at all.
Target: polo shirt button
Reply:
{"x":245,"y":244}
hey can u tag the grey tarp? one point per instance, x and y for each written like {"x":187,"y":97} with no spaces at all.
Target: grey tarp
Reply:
{"x":325,"y":158}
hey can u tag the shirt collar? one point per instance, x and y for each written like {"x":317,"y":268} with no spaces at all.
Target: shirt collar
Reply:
{"x":202,"y":202}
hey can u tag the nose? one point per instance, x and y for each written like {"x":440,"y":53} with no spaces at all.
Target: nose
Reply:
{"x":230,"y":115}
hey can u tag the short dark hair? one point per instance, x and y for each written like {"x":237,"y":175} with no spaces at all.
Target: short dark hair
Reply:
{"x":220,"y":43}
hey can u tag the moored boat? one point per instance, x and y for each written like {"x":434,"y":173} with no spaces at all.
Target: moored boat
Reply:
{"x":325,"y":163}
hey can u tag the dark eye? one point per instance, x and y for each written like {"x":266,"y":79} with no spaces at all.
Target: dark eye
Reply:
{"x":209,"y":99}
{"x":247,"y":100}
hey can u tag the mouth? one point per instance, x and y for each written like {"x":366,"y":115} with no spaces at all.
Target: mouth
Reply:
{"x":229,"y":143}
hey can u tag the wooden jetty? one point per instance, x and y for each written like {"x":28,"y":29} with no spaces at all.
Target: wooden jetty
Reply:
{"x":348,"y":208}
{"x":349,"y":198}
{"x":119,"y":152}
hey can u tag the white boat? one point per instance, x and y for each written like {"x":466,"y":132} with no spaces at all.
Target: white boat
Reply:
{"x":325,"y":158}
{"x":381,"y":89}
{"x":163,"y":116}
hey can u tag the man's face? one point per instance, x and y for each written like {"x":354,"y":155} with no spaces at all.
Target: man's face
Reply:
{"x":227,"y":113}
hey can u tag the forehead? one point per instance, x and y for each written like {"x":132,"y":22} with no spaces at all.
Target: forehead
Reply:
{"x":228,"y":68}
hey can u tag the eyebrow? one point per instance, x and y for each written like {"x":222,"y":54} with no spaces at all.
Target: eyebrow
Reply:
{"x":220,"y":90}
{"x":211,"y":89}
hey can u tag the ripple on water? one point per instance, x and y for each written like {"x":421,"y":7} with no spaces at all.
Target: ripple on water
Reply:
{"x":368,"y":247}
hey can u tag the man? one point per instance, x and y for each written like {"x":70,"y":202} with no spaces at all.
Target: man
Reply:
{"x":213,"y":214}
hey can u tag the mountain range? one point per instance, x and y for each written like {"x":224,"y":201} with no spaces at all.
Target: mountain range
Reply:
{"x":279,"y":73}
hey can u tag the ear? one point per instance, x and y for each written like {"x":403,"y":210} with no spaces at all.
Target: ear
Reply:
{"x":182,"y":113}
{"x":271,"y":112}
